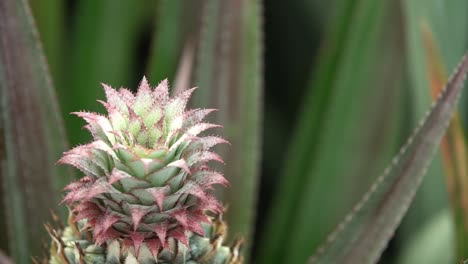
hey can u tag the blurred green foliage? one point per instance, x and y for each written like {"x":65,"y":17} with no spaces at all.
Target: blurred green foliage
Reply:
{"x":315,"y":96}
{"x":32,"y":136}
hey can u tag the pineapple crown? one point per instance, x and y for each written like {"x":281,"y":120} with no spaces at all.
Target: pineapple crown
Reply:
{"x":147,"y":178}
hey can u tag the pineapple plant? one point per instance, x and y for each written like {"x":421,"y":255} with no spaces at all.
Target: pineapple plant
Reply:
{"x":145,"y":196}
{"x":229,"y":59}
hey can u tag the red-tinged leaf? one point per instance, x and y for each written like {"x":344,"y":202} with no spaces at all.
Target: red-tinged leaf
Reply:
{"x":89,"y":117}
{"x":127,"y":96}
{"x":212,"y":204}
{"x":88,"y":190}
{"x":211,"y":141}
{"x":154,"y":245}
{"x":144,"y":89}
{"x":83,"y":165}
{"x":207,"y":178}
{"x":201,"y":127}
{"x":161,"y":92}
{"x":70,"y":197}
{"x":179,"y":234}
{"x":184,"y":97}
{"x":90,"y":213}
{"x":202,"y":157}
{"x":159,"y":193}
{"x":194,"y":189}
{"x":85,"y":206}
{"x":194,"y":225}
{"x":191,"y":132}
{"x":181,"y":216}
{"x":78,"y":184}
{"x":182,"y":164}
{"x":137,"y":214}
{"x":137,"y":240}
{"x":229,"y":74}
{"x":31,"y":134}
{"x":92,"y":153}
{"x":193,"y":117}
{"x":161,"y":232}
{"x":99,"y":187}
{"x":109,"y":235}
{"x":364,"y":233}
{"x":98,"y":125}
{"x":117,"y":175}
{"x":105,"y":222}
{"x":114,"y":101}
{"x":199,"y":216}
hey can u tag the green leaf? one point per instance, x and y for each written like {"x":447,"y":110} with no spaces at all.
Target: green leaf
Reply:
{"x":168,"y":40}
{"x":365,"y":231}
{"x":104,"y":48}
{"x":32,"y":136}
{"x":339,"y":143}
{"x":229,"y":74}
{"x":51,"y":24}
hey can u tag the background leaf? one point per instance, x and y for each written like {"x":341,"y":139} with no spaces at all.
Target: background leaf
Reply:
{"x":327,"y":168}
{"x":336,"y":131}
{"x":453,"y":147}
{"x":228,"y":73}
{"x":51,"y":23}
{"x":98,"y":54}
{"x":31,"y":134}
{"x":364,"y":233}
{"x":171,"y":32}
{"x":448,"y":23}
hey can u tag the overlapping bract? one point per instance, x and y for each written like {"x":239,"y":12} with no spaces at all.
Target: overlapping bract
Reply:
{"x":146,"y":174}
{"x":73,"y":245}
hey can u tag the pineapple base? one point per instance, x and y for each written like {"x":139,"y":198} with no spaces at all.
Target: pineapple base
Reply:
{"x":73,"y":245}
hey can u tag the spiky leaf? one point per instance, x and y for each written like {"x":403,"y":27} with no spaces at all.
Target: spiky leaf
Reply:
{"x":366,"y":230}
{"x":31,"y":133}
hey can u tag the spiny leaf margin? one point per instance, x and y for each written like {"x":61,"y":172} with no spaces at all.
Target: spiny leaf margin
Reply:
{"x":366,"y":230}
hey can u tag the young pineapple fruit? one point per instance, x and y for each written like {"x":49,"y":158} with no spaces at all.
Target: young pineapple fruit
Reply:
{"x":145,"y":195}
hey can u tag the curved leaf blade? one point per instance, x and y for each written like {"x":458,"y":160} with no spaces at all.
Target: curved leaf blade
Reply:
{"x":453,"y":146}
{"x":228,"y":72}
{"x":32,"y":136}
{"x":448,"y":23}
{"x":327,"y":166}
{"x":366,"y":230}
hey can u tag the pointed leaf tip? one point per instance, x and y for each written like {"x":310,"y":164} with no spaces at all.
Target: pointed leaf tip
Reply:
{"x":158,"y":193}
{"x":182,"y":164}
{"x":161,"y":232}
{"x":137,"y":240}
{"x":365,"y":231}
{"x":137,"y":215}
{"x":179,"y":235}
{"x":144,"y":85}
{"x":108,"y":90}
{"x":161,"y":92}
